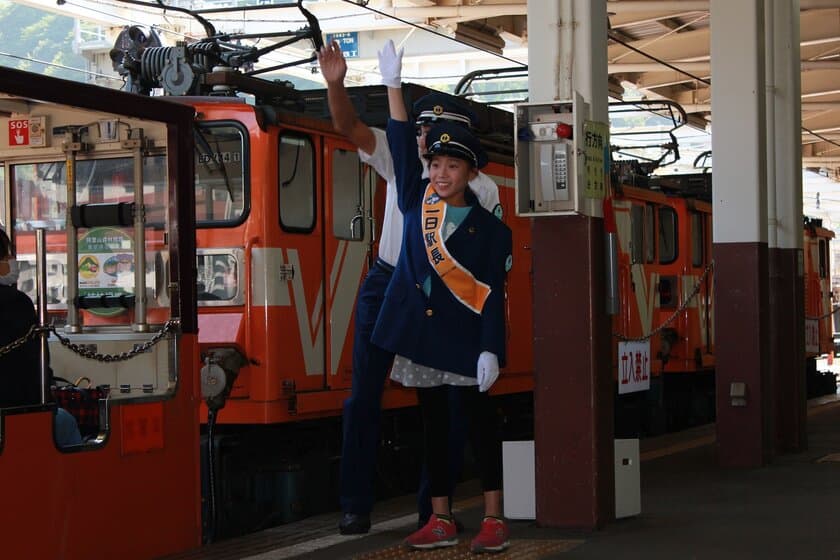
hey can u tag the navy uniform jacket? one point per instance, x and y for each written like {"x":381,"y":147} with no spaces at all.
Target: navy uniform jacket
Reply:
{"x":439,"y":331}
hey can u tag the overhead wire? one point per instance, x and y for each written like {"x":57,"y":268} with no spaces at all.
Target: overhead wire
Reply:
{"x":665,"y":63}
{"x":694,"y":77}
{"x":62,"y":66}
{"x":432,"y":31}
{"x":181,"y":15}
{"x":365,"y":6}
{"x":130,"y":21}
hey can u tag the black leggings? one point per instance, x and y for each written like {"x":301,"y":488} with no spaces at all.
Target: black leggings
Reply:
{"x":483,"y":429}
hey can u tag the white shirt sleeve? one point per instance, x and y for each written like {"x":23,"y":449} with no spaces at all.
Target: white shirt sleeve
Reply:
{"x":390,"y":239}
{"x":380,"y":159}
{"x":486,"y":191}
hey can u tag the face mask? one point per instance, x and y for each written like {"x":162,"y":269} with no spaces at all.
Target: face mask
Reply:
{"x":11,"y":277}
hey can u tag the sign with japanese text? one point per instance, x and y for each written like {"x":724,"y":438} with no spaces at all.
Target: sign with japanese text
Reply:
{"x":348,"y":42}
{"x":27,"y":132}
{"x":812,"y":336}
{"x":596,"y":150}
{"x":633,"y":367}
{"x":106,"y":265}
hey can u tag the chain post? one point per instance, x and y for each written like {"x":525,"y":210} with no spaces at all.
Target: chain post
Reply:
{"x":41,"y":291}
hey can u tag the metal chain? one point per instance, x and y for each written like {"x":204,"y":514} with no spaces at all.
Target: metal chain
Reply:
{"x":84,"y":351}
{"x":825,"y":315}
{"x":33,"y":332}
{"x":676,"y":312}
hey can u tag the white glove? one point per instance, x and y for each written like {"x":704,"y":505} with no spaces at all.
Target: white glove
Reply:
{"x":488,"y":370}
{"x":390,"y":65}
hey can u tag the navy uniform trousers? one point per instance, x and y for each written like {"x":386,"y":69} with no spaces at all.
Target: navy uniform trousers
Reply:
{"x":362,"y":411}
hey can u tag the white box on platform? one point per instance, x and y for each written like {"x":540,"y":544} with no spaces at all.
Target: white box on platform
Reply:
{"x":628,"y":490}
{"x":518,"y":485}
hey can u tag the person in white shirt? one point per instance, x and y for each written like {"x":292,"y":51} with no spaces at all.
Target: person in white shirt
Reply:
{"x":362,"y":410}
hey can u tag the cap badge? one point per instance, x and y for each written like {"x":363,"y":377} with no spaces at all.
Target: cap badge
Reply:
{"x":437,"y":110}
{"x":444,"y":138}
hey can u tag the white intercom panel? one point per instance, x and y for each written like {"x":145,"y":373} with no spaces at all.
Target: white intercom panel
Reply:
{"x":549,"y":163}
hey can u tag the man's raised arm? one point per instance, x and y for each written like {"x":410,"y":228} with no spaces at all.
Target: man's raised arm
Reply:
{"x":344,"y":118}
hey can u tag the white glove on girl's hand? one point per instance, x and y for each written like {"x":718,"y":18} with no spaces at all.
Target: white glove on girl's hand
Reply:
{"x":390,"y":65}
{"x":488,"y":370}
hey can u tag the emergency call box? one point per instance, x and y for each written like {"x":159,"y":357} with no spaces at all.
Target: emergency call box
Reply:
{"x":550,"y":159}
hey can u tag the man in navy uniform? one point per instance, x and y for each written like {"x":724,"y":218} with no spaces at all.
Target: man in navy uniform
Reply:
{"x":362,"y":411}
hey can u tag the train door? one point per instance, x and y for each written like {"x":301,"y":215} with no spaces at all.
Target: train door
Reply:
{"x":325,"y":198}
{"x":349,"y":189}
{"x":700,"y":232}
{"x":301,"y":360}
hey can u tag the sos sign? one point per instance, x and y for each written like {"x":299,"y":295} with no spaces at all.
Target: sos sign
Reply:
{"x":26,"y":132}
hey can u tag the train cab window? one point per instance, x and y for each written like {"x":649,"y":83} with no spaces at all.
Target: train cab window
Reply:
{"x":650,"y":246}
{"x":637,"y":242}
{"x":347,"y":189}
{"x":823,"y":258}
{"x":667,"y":235}
{"x":220,"y":174}
{"x":296,"y":182}
{"x":697,"y":239}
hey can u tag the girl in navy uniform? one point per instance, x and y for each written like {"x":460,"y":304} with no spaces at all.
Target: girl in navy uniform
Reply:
{"x":361,"y":417}
{"x":443,"y":315}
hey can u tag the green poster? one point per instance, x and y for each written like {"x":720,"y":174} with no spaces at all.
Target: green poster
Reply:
{"x":106,"y":265}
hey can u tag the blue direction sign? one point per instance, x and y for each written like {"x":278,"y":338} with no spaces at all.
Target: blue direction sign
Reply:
{"x":347,"y":41}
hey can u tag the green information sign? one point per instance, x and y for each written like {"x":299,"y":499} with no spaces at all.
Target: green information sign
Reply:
{"x":596,"y":149}
{"x":106,"y":266}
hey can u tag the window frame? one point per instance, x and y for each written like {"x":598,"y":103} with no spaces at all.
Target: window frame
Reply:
{"x":246,"y":176}
{"x":676,"y":248}
{"x":697,"y":225}
{"x":360,"y":192}
{"x":314,"y":191}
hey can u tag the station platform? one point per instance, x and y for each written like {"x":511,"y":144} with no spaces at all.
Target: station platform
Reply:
{"x":691,"y":508}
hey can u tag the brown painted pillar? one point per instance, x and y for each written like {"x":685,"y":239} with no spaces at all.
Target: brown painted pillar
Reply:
{"x":741,"y":329}
{"x":573,"y":384}
{"x":787,"y":349}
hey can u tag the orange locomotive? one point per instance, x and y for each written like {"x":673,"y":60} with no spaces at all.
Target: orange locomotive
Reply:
{"x":665,"y":286}
{"x":666,"y":274}
{"x":818,"y":307}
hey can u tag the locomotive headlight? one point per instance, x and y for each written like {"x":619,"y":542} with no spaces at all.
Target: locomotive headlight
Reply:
{"x":667,"y":339}
{"x":221,"y":366}
{"x":212,"y":380}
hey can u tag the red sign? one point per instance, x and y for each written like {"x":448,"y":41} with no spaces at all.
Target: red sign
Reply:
{"x":18,"y":132}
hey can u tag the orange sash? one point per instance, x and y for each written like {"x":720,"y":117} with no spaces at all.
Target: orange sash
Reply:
{"x":460,"y":281}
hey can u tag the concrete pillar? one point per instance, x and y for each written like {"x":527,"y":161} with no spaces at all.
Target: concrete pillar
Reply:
{"x":573,"y":398}
{"x":740,"y":232}
{"x":784,"y":209}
